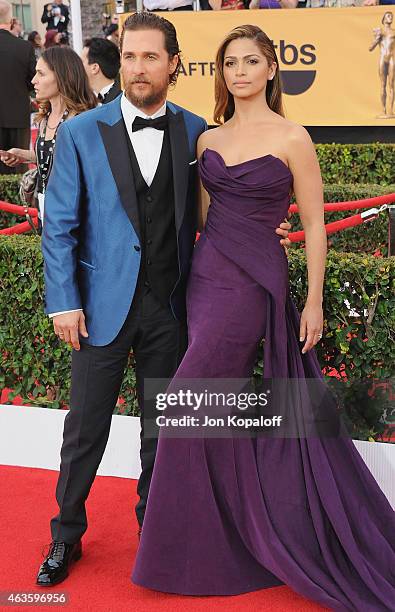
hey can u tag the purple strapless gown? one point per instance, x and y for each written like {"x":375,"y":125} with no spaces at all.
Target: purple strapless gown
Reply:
{"x":228,"y":516}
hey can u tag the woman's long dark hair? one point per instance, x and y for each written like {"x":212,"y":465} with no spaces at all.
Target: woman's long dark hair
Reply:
{"x":32,"y":39}
{"x":224,"y":102}
{"x":71,"y":79}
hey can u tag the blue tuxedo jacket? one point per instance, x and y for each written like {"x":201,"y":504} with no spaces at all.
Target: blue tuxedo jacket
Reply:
{"x":91,"y":221}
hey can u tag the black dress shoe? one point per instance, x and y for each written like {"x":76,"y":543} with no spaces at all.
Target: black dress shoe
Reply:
{"x":55,"y":567}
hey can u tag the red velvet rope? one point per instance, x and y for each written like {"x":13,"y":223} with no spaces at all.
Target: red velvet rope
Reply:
{"x":330,"y":228}
{"x":335,"y":226}
{"x":354,"y":204}
{"x":18,"y":210}
{"x":21,"y":228}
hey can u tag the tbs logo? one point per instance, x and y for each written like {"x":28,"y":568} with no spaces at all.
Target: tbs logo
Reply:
{"x":296,"y":82}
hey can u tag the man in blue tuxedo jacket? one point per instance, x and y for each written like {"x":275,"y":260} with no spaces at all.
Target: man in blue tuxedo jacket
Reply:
{"x":119,"y":229}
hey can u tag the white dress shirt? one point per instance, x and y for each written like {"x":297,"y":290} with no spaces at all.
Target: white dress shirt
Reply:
{"x":147,"y":145}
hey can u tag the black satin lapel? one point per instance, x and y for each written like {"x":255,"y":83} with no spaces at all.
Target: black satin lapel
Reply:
{"x":115,"y":143}
{"x":180,"y":158}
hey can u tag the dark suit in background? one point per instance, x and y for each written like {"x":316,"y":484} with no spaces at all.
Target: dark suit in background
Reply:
{"x":17,"y":68}
{"x":113,"y":92}
{"x":49,"y":19}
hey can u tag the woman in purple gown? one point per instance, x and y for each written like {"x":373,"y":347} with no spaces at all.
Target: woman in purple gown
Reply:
{"x":228,"y":516}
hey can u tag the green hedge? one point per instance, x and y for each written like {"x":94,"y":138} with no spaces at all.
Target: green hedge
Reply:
{"x":9,"y":192}
{"x":357,"y":163}
{"x":36,"y":365}
{"x":9,"y":188}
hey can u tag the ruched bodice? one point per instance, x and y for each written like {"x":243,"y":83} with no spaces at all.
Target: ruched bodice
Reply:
{"x":261,"y":186}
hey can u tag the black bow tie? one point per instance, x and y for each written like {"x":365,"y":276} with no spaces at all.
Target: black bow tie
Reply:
{"x":160,"y":123}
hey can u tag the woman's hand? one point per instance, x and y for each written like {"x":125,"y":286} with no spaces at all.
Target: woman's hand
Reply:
{"x":14,"y":157}
{"x":311,"y":324}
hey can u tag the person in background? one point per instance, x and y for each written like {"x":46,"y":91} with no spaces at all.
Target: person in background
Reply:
{"x":273,"y":4}
{"x":53,"y":38}
{"x":56,"y":16}
{"x":107,"y":21}
{"x":377,"y":2}
{"x":168,"y":5}
{"x":227,"y":5}
{"x":17,"y":28}
{"x":36,"y":41}
{"x":62,"y":91}
{"x":113,"y":33}
{"x":17,"y":68}
{"x":101,"y":59}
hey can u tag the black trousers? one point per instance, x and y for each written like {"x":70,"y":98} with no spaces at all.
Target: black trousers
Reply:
{"x":11,"y":138}
{"x":158,"y":342}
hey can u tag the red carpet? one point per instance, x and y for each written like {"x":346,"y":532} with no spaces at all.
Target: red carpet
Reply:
{"x":101,"y":579}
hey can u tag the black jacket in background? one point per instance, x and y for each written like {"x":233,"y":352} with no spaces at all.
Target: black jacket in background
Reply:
{"x":17,"y":68}
{"x":49,"y":20}
{"x":113,"y":92}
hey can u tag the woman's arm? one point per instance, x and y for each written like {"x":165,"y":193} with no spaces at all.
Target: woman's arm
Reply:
{"x":203,"y":196}
{"x":14,"y":157}
{"x":308,"y":188}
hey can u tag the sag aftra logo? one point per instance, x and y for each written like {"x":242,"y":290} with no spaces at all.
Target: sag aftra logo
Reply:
{"x":295,"y":81}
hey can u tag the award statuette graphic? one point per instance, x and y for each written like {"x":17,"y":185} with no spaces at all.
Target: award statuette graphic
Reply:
{"x":385,"y":38}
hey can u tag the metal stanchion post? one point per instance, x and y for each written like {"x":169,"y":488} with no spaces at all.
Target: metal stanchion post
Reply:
{"x":391,"y":229}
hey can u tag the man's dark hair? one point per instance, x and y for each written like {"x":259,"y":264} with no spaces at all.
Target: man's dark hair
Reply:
{"x":103,"y":52}
{"x":150,"y":21}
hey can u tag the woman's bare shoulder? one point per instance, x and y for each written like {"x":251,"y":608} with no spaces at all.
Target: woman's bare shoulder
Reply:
{"x":208,"y":139}
{"x":294,"y":132}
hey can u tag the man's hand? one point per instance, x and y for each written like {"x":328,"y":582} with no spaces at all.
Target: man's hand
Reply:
{"x":283,"y":231}
{"x":68,"y":325}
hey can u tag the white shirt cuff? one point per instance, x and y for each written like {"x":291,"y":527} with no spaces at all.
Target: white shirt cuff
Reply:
{"x":54,"y":314}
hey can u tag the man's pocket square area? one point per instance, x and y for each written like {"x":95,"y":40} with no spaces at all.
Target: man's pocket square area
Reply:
{"x":193,"y":162}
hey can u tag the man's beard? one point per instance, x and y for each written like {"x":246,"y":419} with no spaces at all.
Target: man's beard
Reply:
{"x":150,"y":99}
